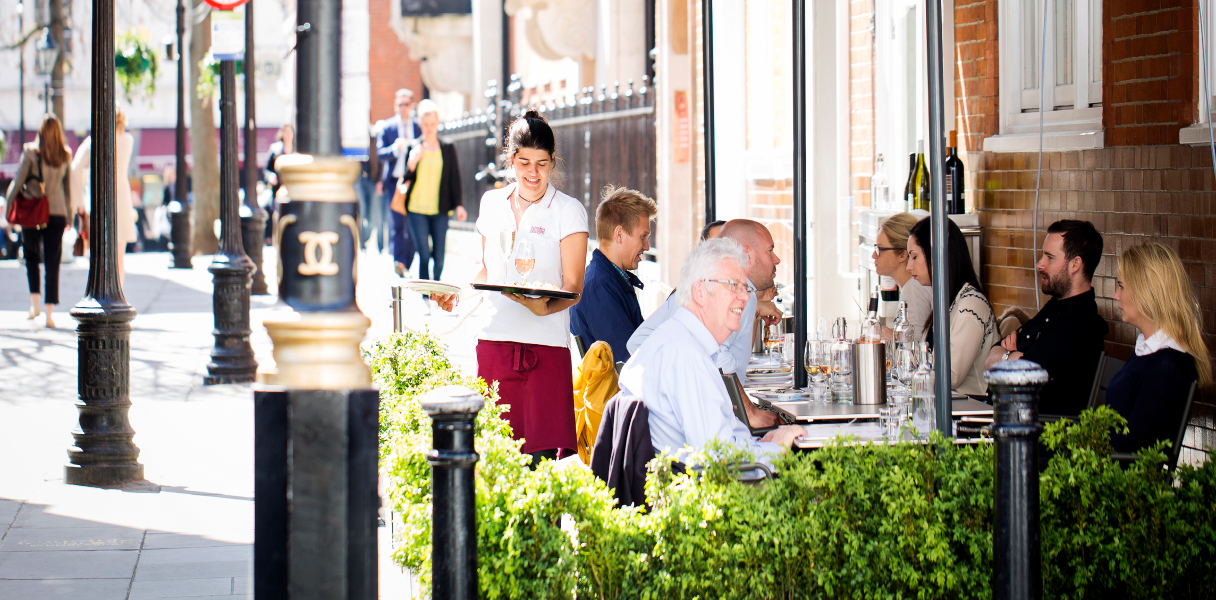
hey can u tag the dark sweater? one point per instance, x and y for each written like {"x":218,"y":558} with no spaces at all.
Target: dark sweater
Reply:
{"x":1065,"y":338}
{"x":1150,"y":391}
{"x":608,"y":309}
{"x":449,"y":181}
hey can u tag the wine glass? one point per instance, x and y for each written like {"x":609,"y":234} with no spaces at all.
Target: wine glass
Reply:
{"x":818,"y":365}
{"x":506,"y":241}
{"x":525,"y":258}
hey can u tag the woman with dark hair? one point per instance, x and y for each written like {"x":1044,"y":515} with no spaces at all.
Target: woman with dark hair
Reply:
{"x":524,"y":346}
{"x":972,"y":324}
{"x":48,"y":160}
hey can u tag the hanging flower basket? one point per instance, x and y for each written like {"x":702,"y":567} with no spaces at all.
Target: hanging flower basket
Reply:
{"x":135,"y":64}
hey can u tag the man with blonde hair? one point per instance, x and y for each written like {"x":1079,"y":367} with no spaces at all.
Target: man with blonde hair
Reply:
{"x":608,"y":309}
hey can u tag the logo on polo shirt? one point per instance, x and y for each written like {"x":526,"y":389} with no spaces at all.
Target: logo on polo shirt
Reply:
{"x":537,"y":230}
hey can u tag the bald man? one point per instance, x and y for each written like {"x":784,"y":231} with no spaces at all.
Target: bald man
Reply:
{"x":761,"y":269}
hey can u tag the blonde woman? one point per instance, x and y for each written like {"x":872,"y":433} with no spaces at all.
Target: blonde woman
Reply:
{"x":891,"y":260}
{"x":125,"y":213}
{"x":46,"y":159}
{"x":1155,"y":296}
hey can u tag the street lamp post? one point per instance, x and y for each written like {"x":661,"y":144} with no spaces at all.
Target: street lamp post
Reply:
{"x":104,"y":453}
{"x":253,"y":227}
{"x":46,"y":55}
{"x":232,"y":357}
{"x":21,"y":76}
{"x":180,"y":219}
{"x":316,"y":459}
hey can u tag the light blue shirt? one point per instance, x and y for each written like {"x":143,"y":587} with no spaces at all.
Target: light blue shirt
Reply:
{"x":735,"y":352}
{"x":674,"y":374}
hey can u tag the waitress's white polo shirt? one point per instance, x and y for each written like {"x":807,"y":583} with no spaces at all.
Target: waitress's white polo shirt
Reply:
{"x":545,"y":224}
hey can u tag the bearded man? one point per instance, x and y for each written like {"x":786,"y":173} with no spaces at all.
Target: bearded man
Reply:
{"x":1066,"y":337}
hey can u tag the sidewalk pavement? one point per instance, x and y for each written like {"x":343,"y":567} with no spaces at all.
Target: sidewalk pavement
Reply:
{"x":188,"y":532}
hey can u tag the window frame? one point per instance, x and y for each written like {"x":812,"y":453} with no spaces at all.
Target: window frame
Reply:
{"x":1079,"y":127}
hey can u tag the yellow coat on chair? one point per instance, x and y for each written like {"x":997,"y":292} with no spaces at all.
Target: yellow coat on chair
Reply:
{"x":594,"y":384}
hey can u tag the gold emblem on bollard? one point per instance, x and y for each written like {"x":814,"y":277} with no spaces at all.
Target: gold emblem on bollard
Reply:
{"x":318,"y":243}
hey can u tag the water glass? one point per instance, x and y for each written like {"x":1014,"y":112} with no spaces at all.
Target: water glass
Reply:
{"x":889,"y":422}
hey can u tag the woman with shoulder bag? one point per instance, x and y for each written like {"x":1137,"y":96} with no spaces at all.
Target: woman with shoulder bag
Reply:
{"x":433,"y":175}
{"x":47,"y":160}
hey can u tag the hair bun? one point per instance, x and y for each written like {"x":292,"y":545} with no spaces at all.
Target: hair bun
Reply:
{"x":532,"y":113}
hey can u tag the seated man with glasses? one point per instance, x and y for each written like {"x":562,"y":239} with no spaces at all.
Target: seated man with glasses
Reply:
{"x":757,"y":243}
{"x":674,"y":370}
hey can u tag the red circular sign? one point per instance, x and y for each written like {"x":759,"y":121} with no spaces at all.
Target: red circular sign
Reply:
{"x":225,"y":5}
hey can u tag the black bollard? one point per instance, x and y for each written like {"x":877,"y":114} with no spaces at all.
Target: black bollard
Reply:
{"x":253,"y":236}
{"x":1017,"y":573}
{"x":232,"y":357}
{"x":454,"y":518}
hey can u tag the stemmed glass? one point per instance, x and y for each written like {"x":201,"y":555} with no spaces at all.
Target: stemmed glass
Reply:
{"x":525,"y":258}
{"x":818,"y":365}
{"x":506,"y":242}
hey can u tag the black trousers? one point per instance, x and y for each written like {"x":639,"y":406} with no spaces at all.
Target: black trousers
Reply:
{"x":44,"y":245}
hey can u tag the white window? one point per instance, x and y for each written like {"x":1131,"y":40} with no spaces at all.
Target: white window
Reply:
{"x":1071,"y":98}
{"x":1198,"y":133}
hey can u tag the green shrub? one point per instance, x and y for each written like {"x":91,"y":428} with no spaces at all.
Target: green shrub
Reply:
{"x":847,"y":521}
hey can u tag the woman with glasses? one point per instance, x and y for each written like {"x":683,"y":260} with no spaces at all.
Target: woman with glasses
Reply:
{"x":972,"y":324}
{"x":891,"y":260}
{"x":1155,"y":296}
{"x":538,"y":235}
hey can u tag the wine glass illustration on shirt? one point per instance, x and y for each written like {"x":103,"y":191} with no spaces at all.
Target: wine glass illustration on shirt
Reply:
{"x":525,"y":258}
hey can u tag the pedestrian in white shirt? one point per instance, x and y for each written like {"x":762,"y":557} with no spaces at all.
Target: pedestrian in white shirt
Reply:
{"x":524,"y":344}
{"x":674,"y":371}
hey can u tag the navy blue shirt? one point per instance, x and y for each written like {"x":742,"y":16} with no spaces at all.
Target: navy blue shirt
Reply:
{"x":1150,"y":391}
{"x":608,"y":309}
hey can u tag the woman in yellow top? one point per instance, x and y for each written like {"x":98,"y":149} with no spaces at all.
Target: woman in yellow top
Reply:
{"x":434,"y":179}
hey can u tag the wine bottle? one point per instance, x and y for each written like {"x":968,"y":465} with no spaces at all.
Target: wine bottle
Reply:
{"x":923,"y":194}
{"x":955,"y":203}
{"x":878,"y":186}
{"x":871,"y":328}
{"x":910,"y":187}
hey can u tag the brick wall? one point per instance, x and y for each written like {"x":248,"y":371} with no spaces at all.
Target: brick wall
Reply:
{"x":861,"y":99}
{"x":389,"y":62}
{"x":1143,"y":186}
{"x":1149,"y":70}
{"x":976,"y":70}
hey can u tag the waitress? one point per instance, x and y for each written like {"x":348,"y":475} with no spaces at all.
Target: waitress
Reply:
{"x":524,"y":346}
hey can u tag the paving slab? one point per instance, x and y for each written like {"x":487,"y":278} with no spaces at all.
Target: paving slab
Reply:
{"x":8,"y":511}
{"x":67,"y":564}
{"x":72,"y":538}
{"x":181,"y":588}
{"x":159,"y":541}
{"x":206,"y":570}
{"x":195,"y":555}
{"x":64,"y":589}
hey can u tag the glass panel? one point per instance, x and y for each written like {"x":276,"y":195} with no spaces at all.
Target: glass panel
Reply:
{"x":1030,"y":46}
{"x":1064,"y":41}
{"x":1095,"y":41}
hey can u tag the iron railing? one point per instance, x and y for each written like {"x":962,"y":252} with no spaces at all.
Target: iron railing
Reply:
{"x":604,"y":137}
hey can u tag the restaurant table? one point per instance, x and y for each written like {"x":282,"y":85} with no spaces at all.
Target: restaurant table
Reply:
{"x":807,"y":412}
{"x":865,"y":433}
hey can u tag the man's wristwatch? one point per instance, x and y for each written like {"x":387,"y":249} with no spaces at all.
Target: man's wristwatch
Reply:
{"x":1006,"y":356}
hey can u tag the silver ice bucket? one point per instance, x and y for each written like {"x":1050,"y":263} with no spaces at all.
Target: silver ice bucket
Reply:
{"x":869,"y":373}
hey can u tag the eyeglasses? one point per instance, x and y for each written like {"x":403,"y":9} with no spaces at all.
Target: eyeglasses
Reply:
{"x":734,"y":286}
{"x":878,"y":250}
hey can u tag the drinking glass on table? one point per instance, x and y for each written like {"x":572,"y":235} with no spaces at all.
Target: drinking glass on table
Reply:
{"x":818,"y":364}
{"x":772,"y":340}
{"x":525,"y":258}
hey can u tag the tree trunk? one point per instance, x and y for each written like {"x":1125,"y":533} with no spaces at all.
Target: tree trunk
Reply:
{"x":205,"y":171}
{"x":57,"y":21}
